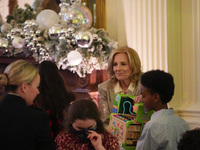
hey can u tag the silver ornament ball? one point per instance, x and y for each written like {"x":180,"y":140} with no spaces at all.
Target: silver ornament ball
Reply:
{"x":84,"y":39}
{"x":95,"y":36}
{"x":62,"y":37}
{"x":70,"y":30}
{"x":33,"y":49}
{"x":99,"y":39}
{"x":54,"y":31}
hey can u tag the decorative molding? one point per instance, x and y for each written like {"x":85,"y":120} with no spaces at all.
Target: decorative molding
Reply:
{"x":191,"y":116}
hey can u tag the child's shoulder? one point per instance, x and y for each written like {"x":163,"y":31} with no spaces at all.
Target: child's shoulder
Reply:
{"x":64,"y":136}
{"x":107,"y":135}
{"x":165,"y":119}
{"x":109,"y":141}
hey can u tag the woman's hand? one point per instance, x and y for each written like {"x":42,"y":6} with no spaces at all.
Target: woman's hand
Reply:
{"x":96,"y":140}
{"x":138,"y":99}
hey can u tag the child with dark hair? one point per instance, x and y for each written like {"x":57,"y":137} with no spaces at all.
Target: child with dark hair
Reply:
{"x":190,"y":140}
{"x":53,"y":97}
{"x":83,"y":129}
{"x":164,"y":130}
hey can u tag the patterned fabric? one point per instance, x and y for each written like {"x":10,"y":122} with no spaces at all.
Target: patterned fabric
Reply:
{"x":163,"y":131}
{"x":107,"y":96}
{"x":69,"y":141}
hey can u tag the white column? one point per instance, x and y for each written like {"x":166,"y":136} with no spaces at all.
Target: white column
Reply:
{"x":184,"y":47}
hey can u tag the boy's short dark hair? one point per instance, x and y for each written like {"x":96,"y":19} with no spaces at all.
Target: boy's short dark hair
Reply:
{"x":190,"y":140}
{"x":158,"y":81}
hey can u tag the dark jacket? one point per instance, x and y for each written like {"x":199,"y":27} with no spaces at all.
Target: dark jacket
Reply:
{"x":22,"y":127}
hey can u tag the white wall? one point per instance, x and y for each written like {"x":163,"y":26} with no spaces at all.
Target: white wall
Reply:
{"x":4,"y":6}
{"x":4,"y":9}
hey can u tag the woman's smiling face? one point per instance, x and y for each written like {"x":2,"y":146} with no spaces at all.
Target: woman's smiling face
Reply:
{"x":121,"y":67}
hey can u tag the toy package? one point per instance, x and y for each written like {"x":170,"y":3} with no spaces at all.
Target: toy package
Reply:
{"x":127,"y":120}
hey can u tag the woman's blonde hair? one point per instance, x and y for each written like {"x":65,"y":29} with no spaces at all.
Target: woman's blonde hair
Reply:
{"x":133,"y":59}
{"x":16,"y":73}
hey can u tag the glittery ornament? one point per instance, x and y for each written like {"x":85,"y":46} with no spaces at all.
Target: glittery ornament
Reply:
{"x":78,"y":16}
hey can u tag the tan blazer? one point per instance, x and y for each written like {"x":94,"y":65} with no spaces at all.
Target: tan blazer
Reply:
{"x":107,"y":95}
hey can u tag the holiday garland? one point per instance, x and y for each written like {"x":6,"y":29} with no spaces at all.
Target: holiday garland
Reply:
{"x":69,"y":43}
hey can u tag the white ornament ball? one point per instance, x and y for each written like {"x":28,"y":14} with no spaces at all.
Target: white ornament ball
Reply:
{"x":74,"y":58}
{"x":18,"y":42}
{"x":47,"y":18}
{"x":5,"y":28}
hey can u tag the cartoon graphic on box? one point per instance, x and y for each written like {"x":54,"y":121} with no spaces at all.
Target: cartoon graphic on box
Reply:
{"x":126,"y":120}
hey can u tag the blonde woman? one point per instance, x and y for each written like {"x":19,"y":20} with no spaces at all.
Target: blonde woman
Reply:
{"x":124,"y":69}
{"x":22,"y":127}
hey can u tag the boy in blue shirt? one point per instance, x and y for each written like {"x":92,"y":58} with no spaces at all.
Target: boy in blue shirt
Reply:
{"x":165,"y":129}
